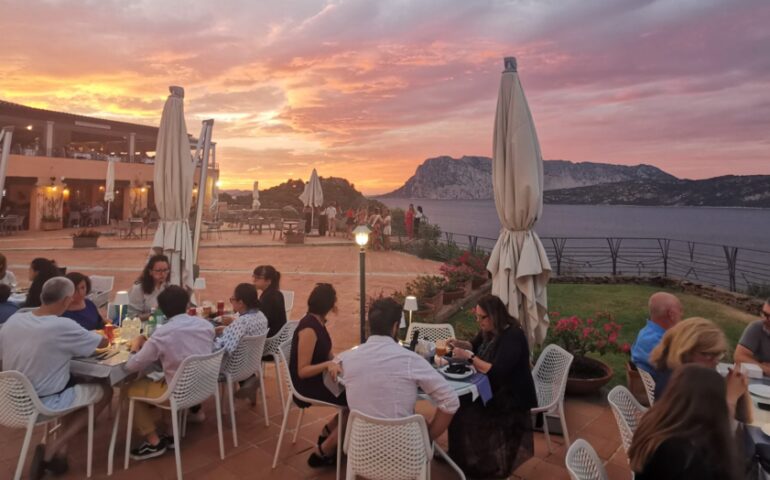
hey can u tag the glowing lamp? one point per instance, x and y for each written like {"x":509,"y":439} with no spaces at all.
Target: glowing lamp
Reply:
{"x":362,"y":235}
{"x":410,"y":304}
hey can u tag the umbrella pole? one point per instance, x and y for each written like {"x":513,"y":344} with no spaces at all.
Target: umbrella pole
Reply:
{"x":108,"y":212}
{"x":312,"y":216}
{"x":208,"y":126}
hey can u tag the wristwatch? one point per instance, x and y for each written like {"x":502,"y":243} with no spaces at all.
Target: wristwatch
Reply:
{"x":473,"y":356}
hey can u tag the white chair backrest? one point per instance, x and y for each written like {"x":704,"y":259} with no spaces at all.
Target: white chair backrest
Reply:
{"x":550,"y":374}
{"x":583,"y":463}
{"x":196,"y":379}
{"x":102,"y":283}
{"x":18,"y":400}
{"x":273,"y":344}
{"x":387,"y":448}
{"x":288,"y":301}
{"x":649,"y":385}
{"x":284,"y":354}
{"x":431,"y":331}
{"x":628,"y":411}
{"x":246,"y":359}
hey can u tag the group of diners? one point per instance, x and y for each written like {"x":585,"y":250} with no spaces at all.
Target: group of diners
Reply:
{"x":695,"y":430}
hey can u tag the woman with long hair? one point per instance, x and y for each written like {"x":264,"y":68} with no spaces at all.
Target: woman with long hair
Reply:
{"x":268,"y":280}
{"x":143,"y":296}
{"x":6,"y":276}
{"x":686,"y":435}
{"x":491,"y":440}
{"x":40,"y":271}
{"x":82,"y":310}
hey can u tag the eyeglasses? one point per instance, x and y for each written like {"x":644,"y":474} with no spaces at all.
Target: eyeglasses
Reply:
{"x":155,"y":270}
{"x":481,"y":317}
{"x":713,"y":356}
{"x":233,"y":299}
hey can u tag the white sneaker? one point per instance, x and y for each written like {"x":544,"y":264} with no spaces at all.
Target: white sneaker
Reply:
{"x":197,"y":417}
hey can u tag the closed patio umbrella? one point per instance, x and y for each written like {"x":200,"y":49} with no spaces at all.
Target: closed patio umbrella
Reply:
{"x":313,"y":195}
{"x":109,"y":187}
{"x":255,"y":197}
{"x":173,"y":179}
{"x":518,"y":263}
{"x":6,"y":134}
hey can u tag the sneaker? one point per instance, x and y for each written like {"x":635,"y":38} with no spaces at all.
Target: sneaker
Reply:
{"x":316,"y":460}
{"x":248,"y":390}
{"x":37,"y":467}
{"x":146,"y":451}
{"x":58,"y":465}
{"x":169,"y":441}
{"x":196,"y":417}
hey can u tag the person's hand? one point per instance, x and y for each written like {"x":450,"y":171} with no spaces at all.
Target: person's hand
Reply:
{"x":227,"y":319}
{"x":219,"y":329}
{"x":461,"y":353}
{"x":450,"y":342}
{"x":737,"y":384}
{"x":334,"y":369}
{"x":137,"y":343}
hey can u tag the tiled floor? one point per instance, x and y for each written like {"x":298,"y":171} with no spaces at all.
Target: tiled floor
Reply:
{"x":225,"y":262}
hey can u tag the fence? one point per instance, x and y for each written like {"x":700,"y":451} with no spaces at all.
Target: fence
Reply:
{"x":730,"y":267}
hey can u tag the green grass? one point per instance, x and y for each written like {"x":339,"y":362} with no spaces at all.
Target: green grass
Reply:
{"x":628,"y":304}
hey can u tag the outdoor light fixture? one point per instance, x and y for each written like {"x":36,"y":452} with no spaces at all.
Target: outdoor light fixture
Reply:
{"x":410,"y":305}
{"x":121,"y":299}
{"x":218,"y":183}
{"x":198,"y":285}
{"x":361,"y":233}
{"x":29,"y":127}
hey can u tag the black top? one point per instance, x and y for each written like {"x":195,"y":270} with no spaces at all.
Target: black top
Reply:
{"x":680,"y":459}
{"x":510,"y":375}
{"x":274,"y":309}
{"x":313,"y":387}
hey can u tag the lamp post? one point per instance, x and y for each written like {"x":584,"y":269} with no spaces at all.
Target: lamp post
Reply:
{"x":361,"y":233}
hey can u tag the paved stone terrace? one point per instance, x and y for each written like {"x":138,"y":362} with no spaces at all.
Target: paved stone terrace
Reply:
{"x":225,"y":261}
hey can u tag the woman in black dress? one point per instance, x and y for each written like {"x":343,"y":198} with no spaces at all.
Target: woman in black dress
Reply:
{"x":311,"y":356}
{"x":268,"y":280}
{"x":490,"y":441}
{"x":686,"y":435}
{"x":40,"y":271}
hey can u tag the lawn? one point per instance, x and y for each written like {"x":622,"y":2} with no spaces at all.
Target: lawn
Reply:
{"x":628,"y":304}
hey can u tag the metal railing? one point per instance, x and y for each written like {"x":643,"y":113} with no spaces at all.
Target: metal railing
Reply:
{"x":726,"y":266}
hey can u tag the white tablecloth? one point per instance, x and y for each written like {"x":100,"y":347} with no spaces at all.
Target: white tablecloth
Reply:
{"x":460,"y":388}
{"x":111,"y":368}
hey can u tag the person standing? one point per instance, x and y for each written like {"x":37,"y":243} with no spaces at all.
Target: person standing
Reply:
{"x":409,"y":221}
{"x":350,"y":222}
{"x":331,"y":218}
{"x":419,"y":218}
{"x":387,"y":230}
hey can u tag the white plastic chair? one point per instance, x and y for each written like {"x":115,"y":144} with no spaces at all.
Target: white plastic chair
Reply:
{"x":101,"y":286}
{"x":550,"y":375}
{"x":244,"y":362}
{"x":196,"y":380}
{"x":649,"y":385}
{"x":583,"y":463}
{"x":284,"y":353}
{"x":628,"y":411}
{"x":431,"y":331}
{"x":288,"y":302}
{"x":385,"y":449}
{"x":20,"y":407}
{"x":273,"y":348}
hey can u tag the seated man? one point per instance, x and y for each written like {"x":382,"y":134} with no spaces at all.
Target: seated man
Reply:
{"x":754,"y":345}
{"x":40,"y":344}
{"x":665,"y":312}
{"x":6,"y":308}
{"x":381,"y":377}
{"x":179,"y":338}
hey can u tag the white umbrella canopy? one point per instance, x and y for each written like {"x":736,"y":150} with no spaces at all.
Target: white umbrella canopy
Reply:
{"x":313,"y":195}
{"x":173,"y":178}
{"x":6,"y":134}
{"x":255,"y":204}
{"x":109,"y":187}
{"x":518,"y":263}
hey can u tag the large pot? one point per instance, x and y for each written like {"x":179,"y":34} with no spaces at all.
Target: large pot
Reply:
{"x":84,"y":242}
{"x":587,"y":375}
{"x":477,"y":282}
{"x":435,"y":301}
{"x":453,"y":295}
{"x":47,"y":225}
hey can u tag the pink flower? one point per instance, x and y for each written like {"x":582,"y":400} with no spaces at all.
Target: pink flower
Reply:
{"x":625,"y":348}
{"x":613,"y":338}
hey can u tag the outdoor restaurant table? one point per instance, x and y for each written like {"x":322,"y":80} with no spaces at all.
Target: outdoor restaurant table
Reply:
{"x":291,"y":226}
{"x":18,"y":299}
{"x":133,"y":223}
{"x":110,"y":369}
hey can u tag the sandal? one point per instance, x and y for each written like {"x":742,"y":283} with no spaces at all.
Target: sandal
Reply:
{"x":320,"y":460}
{"x":324,"y":435}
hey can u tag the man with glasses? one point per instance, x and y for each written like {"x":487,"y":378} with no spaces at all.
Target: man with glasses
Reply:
{"x":754,"y":346}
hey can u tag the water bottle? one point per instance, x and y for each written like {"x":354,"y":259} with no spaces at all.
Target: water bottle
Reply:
{"x":152,"y":323}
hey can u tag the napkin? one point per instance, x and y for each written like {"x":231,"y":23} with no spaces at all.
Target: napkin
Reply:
{"x":482,"y":384}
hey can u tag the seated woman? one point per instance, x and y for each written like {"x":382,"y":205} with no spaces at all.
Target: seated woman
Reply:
{"x":694,"y":340}
{"x":687,"y":434}
{"x":6,"y":276}
{"x":490,"y":441}
{"x":40,"y":271}
{"x":311,"y":356}
{"x":267,"y":279}
{"x":83,"y":310}
{"x":143,"y":296}
{"x":249,"y":322}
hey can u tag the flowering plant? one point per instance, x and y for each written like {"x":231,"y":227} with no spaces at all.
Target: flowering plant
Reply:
{"x":456,"y":274}
{"x":582,"y":336}
{"x":466,"y":266}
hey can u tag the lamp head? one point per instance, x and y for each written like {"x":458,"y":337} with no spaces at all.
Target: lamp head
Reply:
{"x":199,"y":284}
{"x":362,"y":235}
{"x":410,"y":304}
{"x":121,"y":298}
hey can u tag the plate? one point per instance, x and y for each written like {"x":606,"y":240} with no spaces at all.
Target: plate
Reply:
{"x":760,"y":390}
{"x":456,"y":376}
{"x":766,"y":429}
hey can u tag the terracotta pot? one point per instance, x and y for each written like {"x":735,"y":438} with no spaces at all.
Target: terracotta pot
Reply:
{"x":585,"y":386}
{"x":295,"y":238}
{"x":436,"y":301}
{"x":477,"y":282}
{"x":635,"y":384}
{"x":46,"y":225}
{"x":84,"y":242}
{"x":453,"y":295}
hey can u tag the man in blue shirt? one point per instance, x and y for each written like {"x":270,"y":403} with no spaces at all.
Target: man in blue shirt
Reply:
{"x":665,"y":312}
{"x":6,"y":308}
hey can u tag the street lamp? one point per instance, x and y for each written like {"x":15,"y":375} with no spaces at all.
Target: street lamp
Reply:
{"x":361,"y":234}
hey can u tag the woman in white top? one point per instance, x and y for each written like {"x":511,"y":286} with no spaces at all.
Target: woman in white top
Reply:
{"x":143,"y":296}
{"x":387,"y":219}
{"x":6,"y":276}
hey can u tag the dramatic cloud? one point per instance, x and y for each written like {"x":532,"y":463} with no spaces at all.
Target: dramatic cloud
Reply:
{"x":368,"y":89}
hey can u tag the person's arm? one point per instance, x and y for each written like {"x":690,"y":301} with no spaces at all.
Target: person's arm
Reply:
{"x":80,"y":341}
{"x":148,"y":353}
{"x":305,"y":347}
{"x":744,"y":355}
{"x":441,"y":393}
{"x":439,"y":423}
{"x":231,"y":336}
{"x":748,"y":344}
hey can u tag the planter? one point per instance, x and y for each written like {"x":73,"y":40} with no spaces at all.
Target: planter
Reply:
{"x":468,"y":286}
{"x":295,"y":238}
{"x":587,"y":376}
{"x":84,"y":242}
{"x":435,"y":301}
{"x":426,"y":314}
{"x":635,"y":384}
{"x":47,"y":226}
{"x":477,"y":282}
{"x":453,"y":295}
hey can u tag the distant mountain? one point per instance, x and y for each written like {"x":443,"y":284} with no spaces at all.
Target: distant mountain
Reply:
{"x":470,"y":177}
{"x":727,"y":191}
{"x":287,"y":194}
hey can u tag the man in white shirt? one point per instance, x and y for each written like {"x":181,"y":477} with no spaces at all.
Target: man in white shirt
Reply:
{"x":381,"y":377}
{"x":331,"y":215}
{"x":40,"y":344}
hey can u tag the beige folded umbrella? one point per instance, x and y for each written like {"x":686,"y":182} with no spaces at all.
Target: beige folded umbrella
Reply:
{"x":518,"y":264}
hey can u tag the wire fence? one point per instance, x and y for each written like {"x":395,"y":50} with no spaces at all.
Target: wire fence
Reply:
{"x":726,"y":266}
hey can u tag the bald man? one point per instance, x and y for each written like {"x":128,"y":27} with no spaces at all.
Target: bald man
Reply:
{"x":754,"y":345}
{"x":665,"y":312}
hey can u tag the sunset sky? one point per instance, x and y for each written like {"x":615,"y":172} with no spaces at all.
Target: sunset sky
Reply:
{"x":368,"y":89}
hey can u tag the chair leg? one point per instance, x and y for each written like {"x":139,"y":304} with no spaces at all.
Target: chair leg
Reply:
{"x":264,"y":400}
{"x":129,"y":426}
{"x":448,"y":460}
{"x":278,"y":380}
{"x":177,"y":443}
{"x":218,"y":402}
{"x":340,"y":441}
{"x":286,"y":409}
{"x":299,"y":424}
{"x":563,"y":419}
{"x":232,"y":411}
{"x":547,"y":435}
{"x":183,"y":416}
{"x":90,"y":454}
{"x":24,"y":448}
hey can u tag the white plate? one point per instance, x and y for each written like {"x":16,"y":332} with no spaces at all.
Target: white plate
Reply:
{"x":760,"y":390}
{"x":766,"y":429}
{"x":456,"y":376}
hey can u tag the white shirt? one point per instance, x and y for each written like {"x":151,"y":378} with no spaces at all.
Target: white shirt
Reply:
{"x":331,"y":212}
{"x":381,"y":380}
{"x":139,"y":302}
{"x":9,"y":279}
{"x":41,"y":348}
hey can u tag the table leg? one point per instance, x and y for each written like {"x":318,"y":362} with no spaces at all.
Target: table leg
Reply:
{"x":114,"y":436}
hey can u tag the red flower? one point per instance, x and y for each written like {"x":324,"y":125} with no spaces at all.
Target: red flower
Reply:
{"x":625,"y":348}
